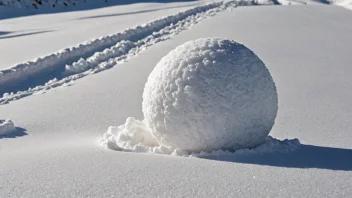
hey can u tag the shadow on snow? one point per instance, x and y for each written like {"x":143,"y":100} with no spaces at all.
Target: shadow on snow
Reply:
{"x":7,"y":13}
{"x":18,"y":133}
{"x":23,"y":34}
{"x":307,"y":156}
{"x":135,"y":12}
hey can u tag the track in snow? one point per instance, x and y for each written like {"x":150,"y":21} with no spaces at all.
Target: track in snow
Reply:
{"x":64,"y":67}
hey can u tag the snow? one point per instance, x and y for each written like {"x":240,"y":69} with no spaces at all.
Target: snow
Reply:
{"x":97,"y":55}
{"x":136,"y":136}
{"x":306,"y":49}
{"x":210,"y":94}
{"x":6,"y":127}
{"x":344,"y":3}
{"x":62,"y":30}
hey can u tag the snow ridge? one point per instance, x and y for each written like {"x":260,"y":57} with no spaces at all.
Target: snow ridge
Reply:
{"x":100,"y":54}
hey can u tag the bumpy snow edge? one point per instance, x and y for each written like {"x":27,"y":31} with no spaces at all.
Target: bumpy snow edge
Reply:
{"x":135,"y":136}
{"x":7,"y":127}
{"x":103,"y":53}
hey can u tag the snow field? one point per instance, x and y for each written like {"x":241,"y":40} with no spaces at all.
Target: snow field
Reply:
{"x":100,"y":54}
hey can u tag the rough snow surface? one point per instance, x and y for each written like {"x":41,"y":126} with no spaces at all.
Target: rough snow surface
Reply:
{"x":6,"y":127}
{"x":135,"y":136}
{"x":100,"y":54}
{"x":344,"y":3}
{"x":210,"y":94}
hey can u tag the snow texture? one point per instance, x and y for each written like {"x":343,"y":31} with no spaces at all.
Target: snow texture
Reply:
{"x":312,"y":70}
{"x":6,"y":127}
{"x":135,"y":136}
{"x":100,"y":54}
{"x":206,"y":95}
{"x":210,"y":94}
{"x":344,"y":3}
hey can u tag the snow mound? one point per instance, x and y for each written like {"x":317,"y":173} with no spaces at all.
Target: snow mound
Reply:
{"x":210,"y":94}
{"x":135,"y":136}
{"x":6,"y":127}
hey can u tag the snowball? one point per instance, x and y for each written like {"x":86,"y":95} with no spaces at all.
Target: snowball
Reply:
{"x":210,"y":94}
{"x":6,"y":127}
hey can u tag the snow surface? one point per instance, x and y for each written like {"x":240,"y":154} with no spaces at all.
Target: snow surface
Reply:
{"x":210,"y":94}
{"x":306,"y":49}
{"x":344,"y":3}
{"x":96,"y":55}
{"x":6,"y":127}
{"x":57,"y":31}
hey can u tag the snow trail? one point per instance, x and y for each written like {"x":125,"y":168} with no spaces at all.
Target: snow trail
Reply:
{"x":63,"y":67}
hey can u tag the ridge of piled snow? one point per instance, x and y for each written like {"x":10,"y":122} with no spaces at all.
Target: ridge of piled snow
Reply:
{"x":209,"y":94}
{"x":99,"y":54}
{"x":135,"y":136}
{"x":6,"y":127}
{"x":344,"y":3}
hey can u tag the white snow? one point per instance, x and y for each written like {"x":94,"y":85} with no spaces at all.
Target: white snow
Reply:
{"x":136,"y":136}
{"x":6,"y":127}
{"x":210,"y":94}
{"x":344,"y":3}
{"x":107,"y":52}
{"x":306,"y":49}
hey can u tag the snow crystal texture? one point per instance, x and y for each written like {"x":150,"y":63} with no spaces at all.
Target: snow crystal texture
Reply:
{"x":6,"y":127}
{"x":210,"y":94}
{"x":135,"y":136}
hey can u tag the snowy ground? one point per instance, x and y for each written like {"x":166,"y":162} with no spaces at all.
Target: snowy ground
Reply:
{"x":57,"y":31}
{"x":307,"y":50}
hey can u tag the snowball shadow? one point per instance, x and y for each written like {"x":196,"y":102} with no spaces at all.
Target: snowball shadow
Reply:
{"x":306,"y":156}
{"x":19,"y":132}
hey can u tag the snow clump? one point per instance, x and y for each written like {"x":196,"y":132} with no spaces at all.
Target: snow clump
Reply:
{"x":207,"y":95}
{"x":6,"y":127}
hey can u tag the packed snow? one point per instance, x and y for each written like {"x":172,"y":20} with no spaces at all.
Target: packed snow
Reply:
{"x":136,"y":136}
{"x":210,"y":94}
{"x":6,"y":127}
{"x":206,"y":95}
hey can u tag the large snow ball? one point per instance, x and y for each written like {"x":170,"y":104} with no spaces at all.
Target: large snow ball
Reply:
{"x":210,"y":94}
